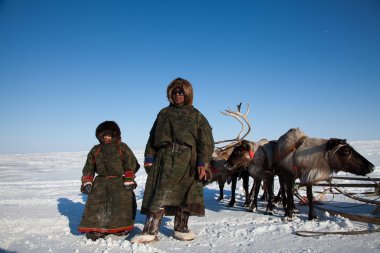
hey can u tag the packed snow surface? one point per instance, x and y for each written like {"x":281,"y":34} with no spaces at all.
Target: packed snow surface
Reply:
{"x":41,"y":207}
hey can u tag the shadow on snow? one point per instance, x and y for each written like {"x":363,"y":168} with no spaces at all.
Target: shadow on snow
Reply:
{"x":73,"y":211}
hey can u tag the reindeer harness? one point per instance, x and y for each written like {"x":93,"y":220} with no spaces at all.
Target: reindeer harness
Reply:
{"x":331,"y":153}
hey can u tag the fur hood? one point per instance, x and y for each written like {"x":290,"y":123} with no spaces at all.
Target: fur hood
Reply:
{"x":187,"y":88}
{"x":108,"y":127}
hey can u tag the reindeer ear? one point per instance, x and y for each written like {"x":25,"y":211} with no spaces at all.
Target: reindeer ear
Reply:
{"x":251,"y":146}
{"x":331,"y":143}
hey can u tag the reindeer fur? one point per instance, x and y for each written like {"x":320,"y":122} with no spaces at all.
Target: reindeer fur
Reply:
{"x":313,"y":160}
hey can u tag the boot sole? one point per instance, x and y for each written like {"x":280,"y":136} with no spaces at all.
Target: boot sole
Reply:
{"x":145,"y":239}
{"x":183,"y":236}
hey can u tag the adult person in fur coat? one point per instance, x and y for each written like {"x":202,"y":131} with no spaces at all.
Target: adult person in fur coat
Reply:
{"x":111,"y":203}
{"x":177,"y":155}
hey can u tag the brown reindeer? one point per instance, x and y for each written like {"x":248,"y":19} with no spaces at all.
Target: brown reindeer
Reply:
{"x":260,"y":168}
{"x":313,"y":160}
{"x":223,"y":174}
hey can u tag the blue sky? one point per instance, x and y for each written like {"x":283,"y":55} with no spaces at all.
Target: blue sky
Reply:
{"x":66,"y":66}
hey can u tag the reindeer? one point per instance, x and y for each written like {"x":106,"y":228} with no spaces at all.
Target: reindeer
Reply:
{"x":220,"y":172}
{"x":260,"y":168}
{"x":312,"y":160}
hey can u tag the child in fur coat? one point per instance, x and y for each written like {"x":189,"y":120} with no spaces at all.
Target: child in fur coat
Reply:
{"x":108,"y":179}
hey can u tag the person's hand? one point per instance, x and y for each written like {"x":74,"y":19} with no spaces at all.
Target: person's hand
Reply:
{"x":130,"y":185}
{"x":148,"y":163}
{"x":86,"y":188}
{"x":202,"y":175}
{"x":147,"y":167}
{"x":129,"y":180}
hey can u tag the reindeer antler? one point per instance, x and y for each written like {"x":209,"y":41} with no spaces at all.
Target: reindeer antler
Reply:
{"x":237,"y":115}
{"x":232,"y":114}
{"x":245,"y":117}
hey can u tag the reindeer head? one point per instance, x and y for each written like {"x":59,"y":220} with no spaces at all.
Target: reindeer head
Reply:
{"x":343,"y":157}
{"x":238,"y":143}
{"x":241,"y":155}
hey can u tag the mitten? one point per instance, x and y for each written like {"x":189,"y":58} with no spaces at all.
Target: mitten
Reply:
{"x":129,"y":186}
{"x":129,"y":181}
{"x":86,"y":186}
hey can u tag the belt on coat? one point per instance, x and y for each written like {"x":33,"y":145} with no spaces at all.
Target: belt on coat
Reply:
{"x":176,"y":146}
{"x":108,"y":177}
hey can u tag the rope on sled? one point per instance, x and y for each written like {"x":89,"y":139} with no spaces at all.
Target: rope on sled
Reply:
{"x":320,"y":233}
{"x":351,"y":195}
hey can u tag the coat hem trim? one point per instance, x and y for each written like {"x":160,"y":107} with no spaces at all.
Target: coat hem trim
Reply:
{"x":104,"y":230}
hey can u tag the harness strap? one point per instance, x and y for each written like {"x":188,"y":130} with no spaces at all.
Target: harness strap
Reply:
{"x":214,"y":170}
{"x":337,"y":148}
{"x":251,"y":154}
{"x":294,"y":150}
{"x":295,"y":167}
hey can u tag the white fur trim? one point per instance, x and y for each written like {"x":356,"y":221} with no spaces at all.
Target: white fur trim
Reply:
{"x":144,"y":238}
{"x":184,"y":236}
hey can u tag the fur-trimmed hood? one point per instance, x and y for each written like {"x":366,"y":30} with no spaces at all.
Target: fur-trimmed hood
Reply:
{"x":187,"y":88}
{"x":108,"y":127}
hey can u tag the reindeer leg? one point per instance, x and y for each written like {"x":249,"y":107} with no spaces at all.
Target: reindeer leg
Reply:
{"x":245,"y":186}
{"x":269,"y":188}
{"x":278,"y":197}
{"x":270,"y":180}
{"x":262,"y":198}
{"x":233,"y":189}
{"x":221,"y":187}
{"x":289,"y":183}
{"x":252,"y":190}
{"x":251,"y":194}
{"x":309,"y":192}
{"x":256,"y":184}
{"x":283,"y":191}
{"x":269,"y":184}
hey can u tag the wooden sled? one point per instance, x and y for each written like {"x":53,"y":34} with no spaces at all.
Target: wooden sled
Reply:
{"x":355,"y":217}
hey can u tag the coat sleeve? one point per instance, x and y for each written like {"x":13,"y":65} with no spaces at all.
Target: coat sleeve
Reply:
{"x":130,"y":161}
{"x":88,"y":171}
{"x":130,"y":164}
{"x":205,"y":142}
{"x":150,"y":151}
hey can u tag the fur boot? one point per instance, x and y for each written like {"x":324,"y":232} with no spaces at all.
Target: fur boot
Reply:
{"x":181,"y":231}
{"x":123,"y":233}
{"x":151,"y":228}
{"x":95,"y":235}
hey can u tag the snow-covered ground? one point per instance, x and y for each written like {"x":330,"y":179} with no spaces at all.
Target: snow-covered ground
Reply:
{"x":41,"y":207}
